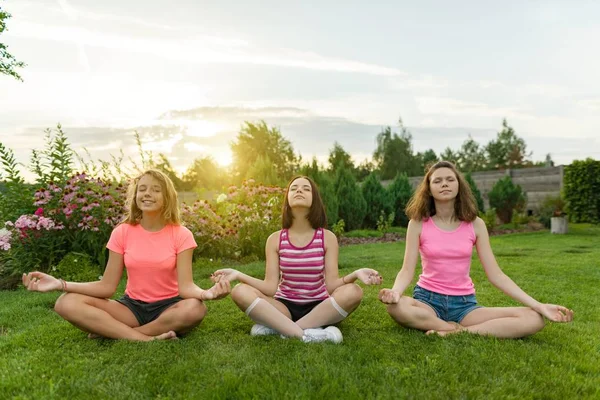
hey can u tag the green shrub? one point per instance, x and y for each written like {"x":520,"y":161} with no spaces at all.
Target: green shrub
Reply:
{"x":330,"y":200}
{"x":338,"y":228}
{"x":506,"y":197}
{"x":475,"y":191}
{"x":552,"y":206}
{"x":77,"y":267}
{"x":399,"y":193}
{"x":352,"y":205}
{"x":384,"y":223}
{"x":519,"y":219}
{"x":489,"y":217}
{"x":582,"y":190}
{"x":376,"y":200}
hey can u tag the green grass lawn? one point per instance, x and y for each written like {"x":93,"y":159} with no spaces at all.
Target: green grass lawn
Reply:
{"x":42,"y":356}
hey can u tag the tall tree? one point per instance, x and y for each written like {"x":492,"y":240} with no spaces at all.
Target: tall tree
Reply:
{"x":449,"y":155}
{"x":340,"y":158}
{"x":471,"y":156}
{"x":376,"y":199}
{"x":427,"y":159}
{"x":508,"y":150}
{"x":204,"y":173}
{"x":8,"y":62}
{"x":394,"y":153}
{"x":352,"y":205}
{"x":256,"y":140}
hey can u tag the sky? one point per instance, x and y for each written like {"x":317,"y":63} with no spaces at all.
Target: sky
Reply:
{"x":188,"y":73}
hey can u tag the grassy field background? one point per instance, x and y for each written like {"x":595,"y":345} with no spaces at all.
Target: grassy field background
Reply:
{"x":42,"y":356}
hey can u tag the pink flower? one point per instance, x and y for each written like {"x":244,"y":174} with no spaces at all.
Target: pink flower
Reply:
{"x":39,"y":212}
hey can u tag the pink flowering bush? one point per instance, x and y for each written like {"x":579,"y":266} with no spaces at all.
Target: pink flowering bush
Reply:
{"x":236,"y":224}
{"x":78,"y":216}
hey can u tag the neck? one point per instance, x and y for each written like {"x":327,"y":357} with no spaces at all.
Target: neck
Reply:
{"x":152,"y":222}
{"x":445,"y":210}
{"x":300,"y":222}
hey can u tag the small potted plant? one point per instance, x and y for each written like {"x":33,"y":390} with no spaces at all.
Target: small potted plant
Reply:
{"x":559,"y":222}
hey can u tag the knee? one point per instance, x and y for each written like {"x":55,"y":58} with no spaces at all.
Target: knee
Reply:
{"x":66,"y":304}
{"x":242,"y":295}
{"x":194,"y":311}
{"x":348,"y":296}
{"x":536,"y":320}
{"x":398,"y":310}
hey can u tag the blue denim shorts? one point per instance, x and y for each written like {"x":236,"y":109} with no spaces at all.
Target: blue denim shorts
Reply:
{"x":448,"y":308}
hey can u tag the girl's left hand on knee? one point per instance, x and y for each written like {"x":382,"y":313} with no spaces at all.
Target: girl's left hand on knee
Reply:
{"x":556,"y":313}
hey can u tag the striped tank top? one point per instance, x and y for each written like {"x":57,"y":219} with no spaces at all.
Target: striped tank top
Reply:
{"x":302,"y":269}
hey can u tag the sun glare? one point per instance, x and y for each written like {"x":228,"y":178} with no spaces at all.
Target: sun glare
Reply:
{"x":202,"y":128}
{"x":223,"y":159}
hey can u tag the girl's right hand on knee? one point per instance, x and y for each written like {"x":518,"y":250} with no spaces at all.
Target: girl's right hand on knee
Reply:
{"x":389,"y":296}
{"x":40,"y":282}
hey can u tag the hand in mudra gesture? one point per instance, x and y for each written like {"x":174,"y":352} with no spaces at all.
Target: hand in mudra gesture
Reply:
{"x":389,"y":296}
{"x":218,"y":291}
{"x":40,"y":282}
{"x":369,"y":276}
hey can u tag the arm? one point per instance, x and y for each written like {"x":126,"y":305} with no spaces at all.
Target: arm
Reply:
{"x":500,"y":280}
{"x":407,"y":272}
{"x":104,"y":288}
{"x":268,"y":286}
{"x":493,"y":272}
{"x":367,"y":276}
{"x":188,"y":289}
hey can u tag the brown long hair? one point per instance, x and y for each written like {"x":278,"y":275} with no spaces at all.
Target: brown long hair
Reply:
{"x":170,"y":211}
{"x":316,"y":215}
{"x":422,"y":206}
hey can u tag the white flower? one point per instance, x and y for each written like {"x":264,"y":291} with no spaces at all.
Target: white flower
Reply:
{"x":222,"y":197}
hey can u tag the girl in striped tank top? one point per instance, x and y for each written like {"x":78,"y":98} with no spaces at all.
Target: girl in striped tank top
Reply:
{"x":443,"y":228}
{"x":301,"y":291}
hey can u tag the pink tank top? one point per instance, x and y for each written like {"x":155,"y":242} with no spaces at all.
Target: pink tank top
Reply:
{"x":446,"y":258}
{"x":302,"y":269}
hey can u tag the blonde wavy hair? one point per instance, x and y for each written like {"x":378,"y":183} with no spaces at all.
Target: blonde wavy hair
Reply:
{"x":170,"y":211}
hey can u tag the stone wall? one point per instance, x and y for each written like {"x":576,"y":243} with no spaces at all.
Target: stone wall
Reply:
{"x":538,"y":183}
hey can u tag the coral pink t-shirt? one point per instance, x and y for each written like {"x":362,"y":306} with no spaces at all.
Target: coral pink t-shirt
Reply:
{"x":151,"y":259}
{"x":446,"y":258}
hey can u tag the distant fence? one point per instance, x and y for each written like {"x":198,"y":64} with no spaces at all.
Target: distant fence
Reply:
{"x":538,"y":183}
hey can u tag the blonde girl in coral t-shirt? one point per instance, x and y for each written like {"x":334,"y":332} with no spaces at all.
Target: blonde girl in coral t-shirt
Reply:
{"x":161,"y":298}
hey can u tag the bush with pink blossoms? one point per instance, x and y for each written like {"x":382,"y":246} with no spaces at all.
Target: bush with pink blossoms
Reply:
{"x":76,"y":216}
{"x":236,"y":224}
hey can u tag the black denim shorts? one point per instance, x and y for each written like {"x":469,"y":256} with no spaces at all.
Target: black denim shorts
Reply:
{"x":299,"y":310}
{"x":148,"y":312}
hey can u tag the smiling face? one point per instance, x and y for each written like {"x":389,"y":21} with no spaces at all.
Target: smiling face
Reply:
{"x":149,"y":195}
{"x":300,"y":193}
{"x":443,"y":184}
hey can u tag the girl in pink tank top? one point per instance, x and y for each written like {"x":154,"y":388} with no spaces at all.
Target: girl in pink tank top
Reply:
{"x":443,"y":229}
{"x":302,"y":290}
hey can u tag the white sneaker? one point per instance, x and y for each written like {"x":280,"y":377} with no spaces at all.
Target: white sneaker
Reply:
{"x":331,"y":334}
{"x":261,"y":330}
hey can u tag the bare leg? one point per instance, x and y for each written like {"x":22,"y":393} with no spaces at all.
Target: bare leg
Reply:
{"x":266,"y":311}
{"x":347,"y":298}
{"x":411,"y":313}
{"x":180,"y":317}
{"x":103,"y":317}
{"x":503,"y":322}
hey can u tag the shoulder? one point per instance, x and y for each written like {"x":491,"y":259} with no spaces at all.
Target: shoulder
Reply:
{"x":181,"y":230}
{"x":415,"y":225}
{"x":479,"y":226}
{"x":122,"y":228}
{"x":273,"y":238}
{"x":329,"y":239}
{"x":328,"y":235}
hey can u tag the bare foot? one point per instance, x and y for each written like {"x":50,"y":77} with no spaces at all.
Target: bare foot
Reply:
{"x":457,"y":329}
{"x":166,"y":336}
